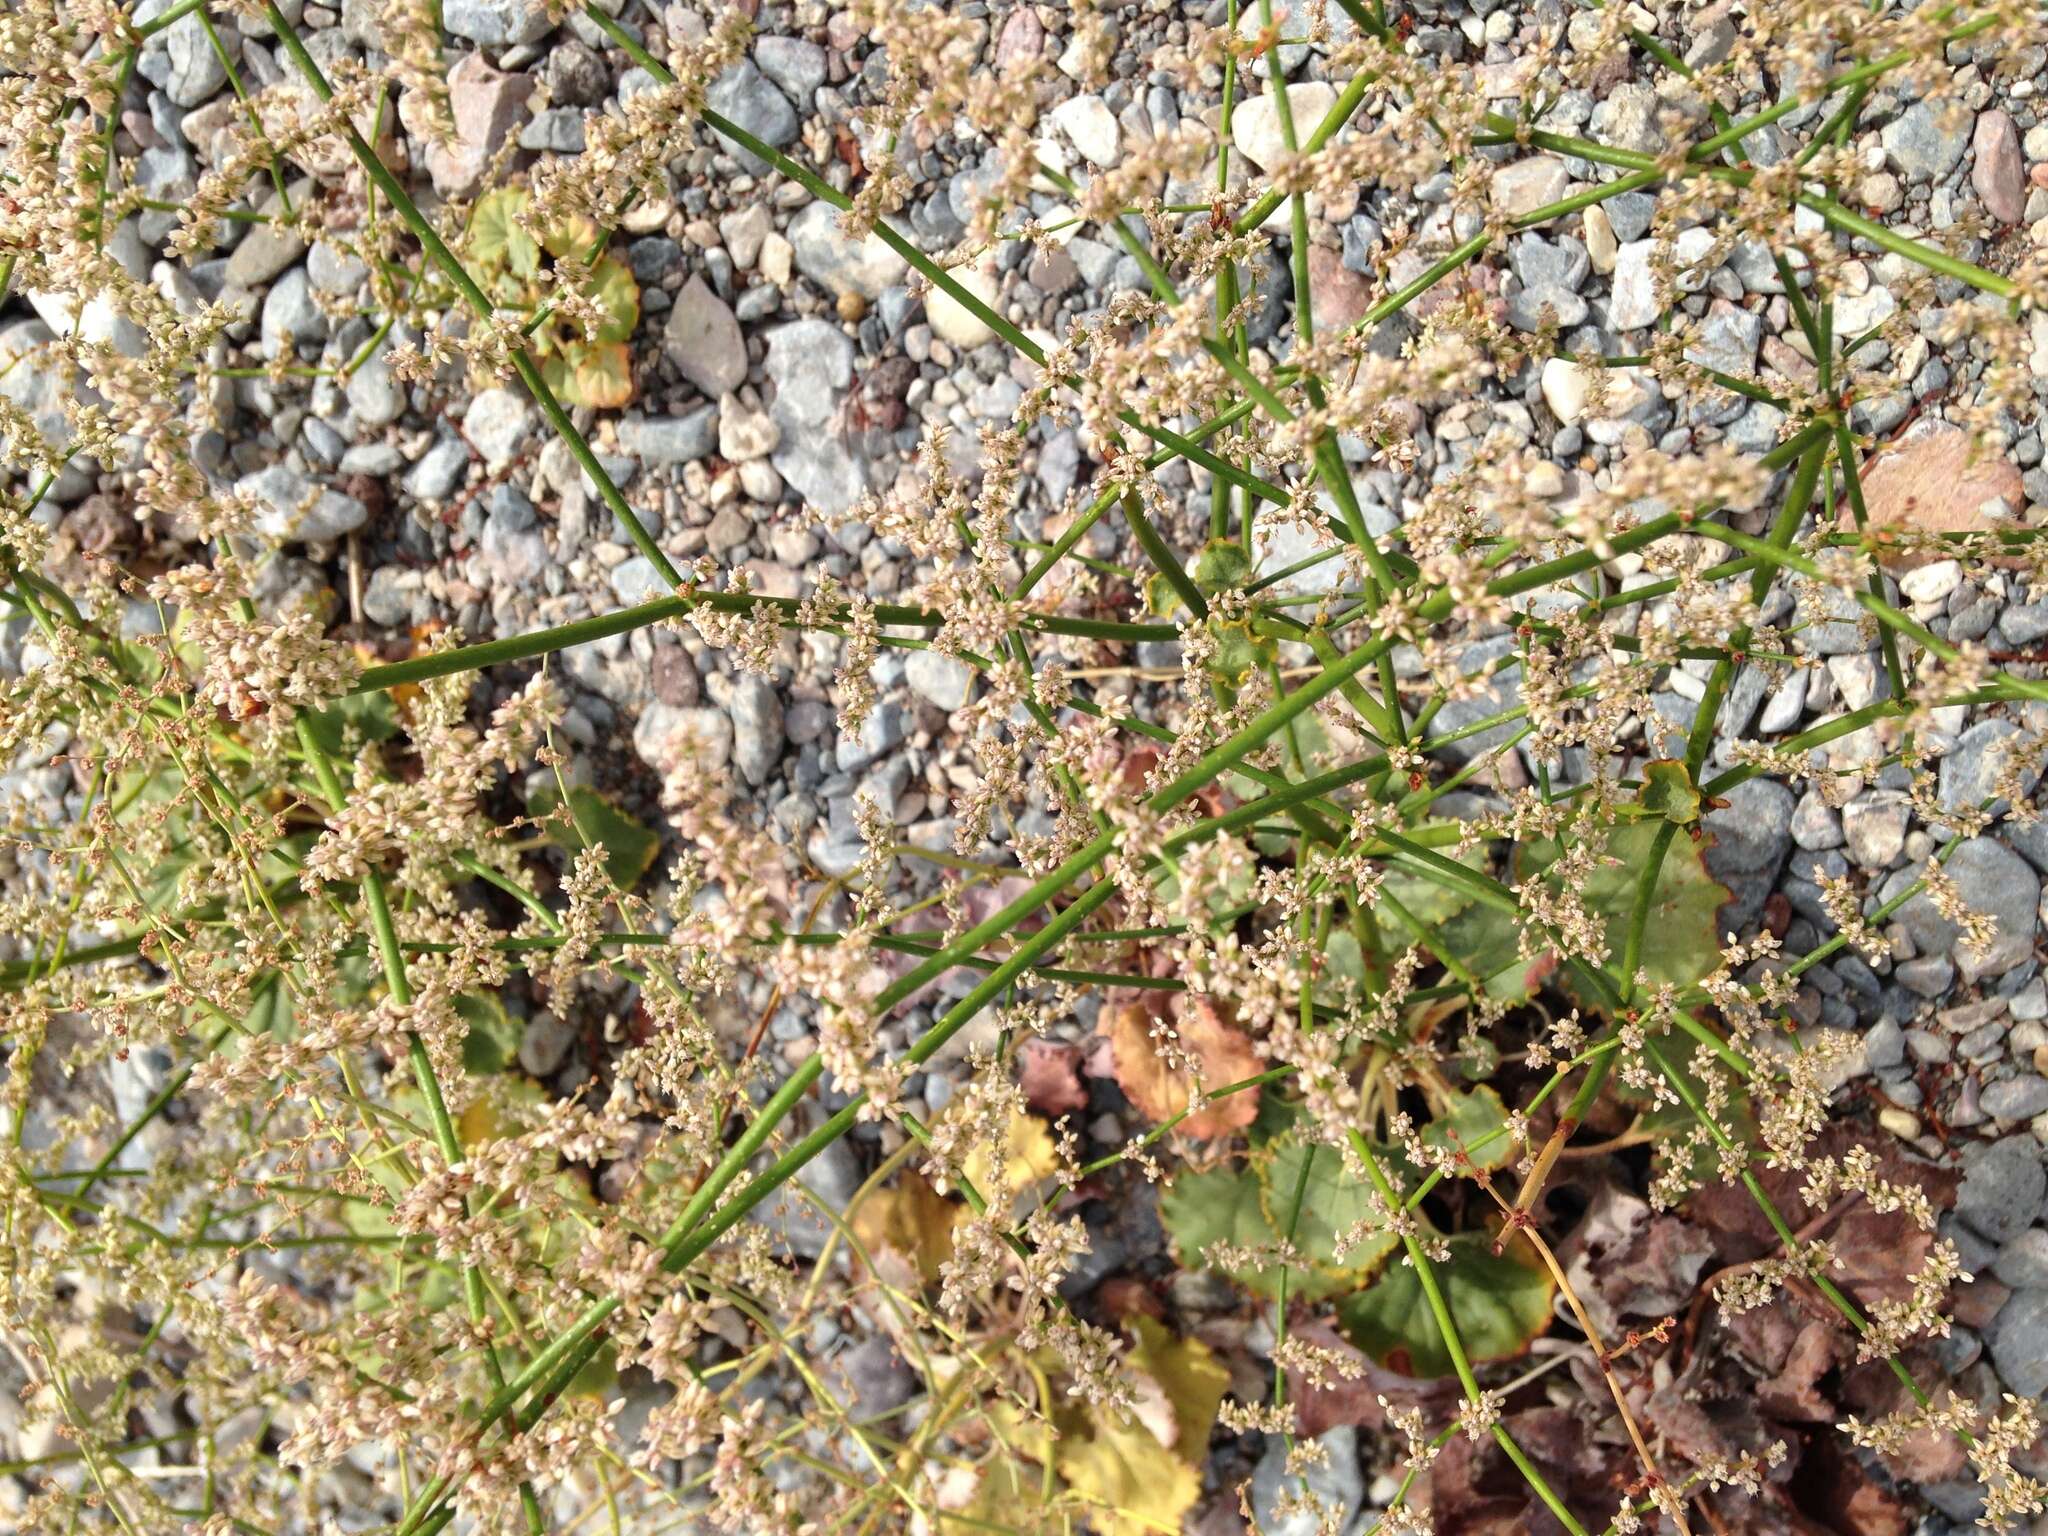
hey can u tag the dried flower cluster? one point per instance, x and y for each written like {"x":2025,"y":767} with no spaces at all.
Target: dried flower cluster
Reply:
{"x":286,"y":1237}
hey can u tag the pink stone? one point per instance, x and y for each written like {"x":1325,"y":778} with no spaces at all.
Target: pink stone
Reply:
{"x":488,"y":106}
{"x":1940,"y":479}
{"x":1022,"y":38}
{"x":1999,"y":174}
{"x":1340,"y":295}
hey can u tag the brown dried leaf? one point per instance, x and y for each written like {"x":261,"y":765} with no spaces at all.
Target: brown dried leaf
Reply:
{"x":1356,"y":1399}
{"x":1476,"y":1491}
{"x":1840,"y":1493}
{"x":1195,"y":1030}
{"x":1625,"y":1261}
{"x":1879,"y":1254}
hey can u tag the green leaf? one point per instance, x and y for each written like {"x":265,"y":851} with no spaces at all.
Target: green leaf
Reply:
{"x":1682,"y":939}
{"x":1668,"y":791}
{"x":573,"y":235}
{"x":1496,"y":1305}
{"x":271,"y":1012}
{"x":596,"y":374}
{"x":1488,"y":943}
{"x":346,"y":725}
{"x":1224,"y":1205}
{"x":1239,"y":652}
{"x":491,"y":1042}
{"x":630,"y":845}
{"x":496,"y":237}
{"x":1426,"y":894}
{"x":612,"y":285}
{"x":1335,"y":1204}
{"x":1476,"y":1123}
{"x":1220,"y":1205}
{"x":1275,"y":1118}
{"x":1222,"y":566}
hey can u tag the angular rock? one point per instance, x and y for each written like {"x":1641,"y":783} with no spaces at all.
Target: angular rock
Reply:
{"x":1991,"y":879}
{"x":1938,"y":477}
{"x":265,"y":251}
{"x":1522,"y":186}
{"x":1633,"y":302}
{"x":1566,"y":388}
{"x":375,"y":397}
{"x":1255,"y":124}
{"x":2003,"y":1183}
{"x":512,"y":551}
{"x":826,"y":255}
{"x":952,"y":321}
{"x":636,"y":581}
{"x":1727,"y":339}
{"x":743,"y":94}
{"x":496,"y":23}
{"x":1752,"y":834}
{"x":1341,"y":295}
{"x":1875,"y":826}
{"x":497,"y":424}
{"x":440,"y":471}
{"x":796,"y":66}
{"x":1092,"y":127}
{"x":1322,"y":1498}
{"x":661,"y":442}
{"x":197,"y":72}
{"x":1927,"y":140}
{"x":744,"y":435}
{"x":290,"y":505}
{"x":2023,"y":1262}
{"x":1971,"y":769}
{"x":667,"y":737}
{"x":703,"y":340}
{"x":487,"y":106}
{"x":744,"y":232}
{"x":757,"y":736}
{"x":2016,"y":1098}
{"x":811,"y":363}
{"x":938,"y":678}
{"x":1628,"y":118}
{"x":290,"y":317}
{"x":2018,"y":1338}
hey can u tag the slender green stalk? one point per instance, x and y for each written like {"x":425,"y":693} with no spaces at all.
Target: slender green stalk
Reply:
{"x":446,"y":1138}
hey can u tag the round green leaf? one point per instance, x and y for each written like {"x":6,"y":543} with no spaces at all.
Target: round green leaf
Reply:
{"x":1682,"y":939}
{"x":1333,"y":1203}
{"x":1477,"y":1125}
{"x":1496,"y":1306}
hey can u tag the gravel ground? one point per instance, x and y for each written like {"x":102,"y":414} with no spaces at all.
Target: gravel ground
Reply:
{"x":781,"y":367}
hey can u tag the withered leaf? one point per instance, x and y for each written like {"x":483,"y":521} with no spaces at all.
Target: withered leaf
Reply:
{"x":1197,"y":1032}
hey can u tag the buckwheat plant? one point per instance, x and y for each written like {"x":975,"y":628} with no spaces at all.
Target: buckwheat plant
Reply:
{"x":289,"y":1248}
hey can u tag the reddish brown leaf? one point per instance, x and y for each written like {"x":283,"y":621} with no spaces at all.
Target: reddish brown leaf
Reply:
{"x":1626,"y":1262}
{"x":1355,"y":1399}
{"x":1838,"y":1492}
{"x":1049,"y":1072}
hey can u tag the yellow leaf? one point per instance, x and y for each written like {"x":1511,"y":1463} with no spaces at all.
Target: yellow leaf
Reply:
{"x":1002,"y":1494}
{"x":1191,"y":1378}
{"x":1138,"y":1486}
{"x":1028,"y":1156}
{"x":909,"y":1220}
